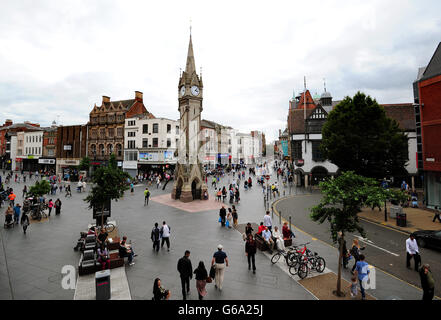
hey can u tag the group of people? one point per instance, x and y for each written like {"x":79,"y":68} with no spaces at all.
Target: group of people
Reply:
{"x":274,"y":239}
{"x":228,"y":219}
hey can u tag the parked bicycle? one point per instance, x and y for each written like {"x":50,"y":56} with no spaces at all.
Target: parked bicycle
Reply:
{"x":287,"y":254}
{"x":311,"y":263}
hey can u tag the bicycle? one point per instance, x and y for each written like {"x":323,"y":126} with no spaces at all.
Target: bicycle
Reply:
{"x":286,"y":254}
{"x":311,"y":263}
{"x":109,"y":227}
{"x":297,"y":256}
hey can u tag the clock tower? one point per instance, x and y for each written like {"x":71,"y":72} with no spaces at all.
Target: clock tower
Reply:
{"x":189,"y":178}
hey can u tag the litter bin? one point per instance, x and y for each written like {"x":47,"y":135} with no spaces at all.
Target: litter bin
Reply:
{"x":401,"y":220}
{"x":102,"y":285}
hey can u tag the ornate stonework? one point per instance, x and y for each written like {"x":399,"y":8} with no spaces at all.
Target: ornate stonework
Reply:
{"x":190,"y":183}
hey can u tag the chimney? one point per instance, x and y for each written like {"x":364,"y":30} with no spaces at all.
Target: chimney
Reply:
{"x":8,"y":122}
{"x":138,"y":96}
{"x":106,"y":99}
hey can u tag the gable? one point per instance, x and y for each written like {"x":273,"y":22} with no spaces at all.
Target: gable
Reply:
{"x":318,"y":114}
{"x":433,"y":69}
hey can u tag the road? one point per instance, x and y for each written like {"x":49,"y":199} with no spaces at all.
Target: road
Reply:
{"x":385,"y":247}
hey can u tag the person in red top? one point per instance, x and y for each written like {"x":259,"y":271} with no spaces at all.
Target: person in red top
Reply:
{"x":261,"y":228}
{"x":12,"y":197}
{"x":287,"y":233}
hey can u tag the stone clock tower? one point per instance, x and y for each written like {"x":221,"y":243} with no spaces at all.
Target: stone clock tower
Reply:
{"x":189,"y":184}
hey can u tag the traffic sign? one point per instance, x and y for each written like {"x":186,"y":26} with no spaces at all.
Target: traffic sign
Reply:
{"x":267,"y":177}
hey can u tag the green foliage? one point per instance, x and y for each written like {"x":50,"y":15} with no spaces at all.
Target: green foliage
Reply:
{"x":84,"y":164}
{"x":40,"y":188}
{"x":359,"y":137}
{"x":108,"y":183}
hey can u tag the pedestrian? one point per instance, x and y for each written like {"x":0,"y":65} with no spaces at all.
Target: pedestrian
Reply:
{"x":131,"y":189}
{"x":57,"y":206}
{"x":427,"y":283}
{"x":345,"y":251}
{"x":50,"y":206}
{"x":229,"y":218}
{"x":156,"y":237}
{"x":16,"y":213}
{"x":219,"y":194}
{"x":25,"y":191}
{"x":248,"y":230}
{"x":11,"y":197}
{"x":201,"y":276}
{"x":186,"y":273}
{"x":235,"y":216}
{"x":222,"y":215}
{"x":412,"y":252}
{"x":356,"y":252}
{"x":353,"y":287}
{"x":165,"y":235}
{"x":437,"y":215}
{"x":159,"y":293}
{"x":267,"y":221}
{"x":237,"y":195}
{"x":362,"y":268}
{"x":24,"y":222}
{"x":146,"y":196}
{"x":250,"y":252}
{"x":220,"y":261}
{"x":278,"y":239}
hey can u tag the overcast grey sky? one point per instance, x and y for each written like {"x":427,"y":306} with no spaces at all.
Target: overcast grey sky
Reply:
{"x":60,"y":57}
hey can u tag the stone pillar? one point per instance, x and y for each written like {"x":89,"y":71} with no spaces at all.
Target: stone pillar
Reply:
{"x":413,"y":183}
{"x":306,"y":181}
{"x":332,"y":177}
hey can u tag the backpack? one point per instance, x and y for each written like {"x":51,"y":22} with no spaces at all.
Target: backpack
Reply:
{"x":155,"y":234}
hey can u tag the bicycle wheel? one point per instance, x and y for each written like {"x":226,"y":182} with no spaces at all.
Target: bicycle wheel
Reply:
{"x":303,"y":270}
{"x":275,"y":258}
{"x":110,"y":227}
{"x":293,"y":269}
{"x":320,"y":265}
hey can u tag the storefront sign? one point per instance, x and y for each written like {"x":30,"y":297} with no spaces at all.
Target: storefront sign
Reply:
{"x":130,"y":165}
{"x":69,"y":162}
{"x":285,"y":147}
{"x":46,"y":161}
{"x":148,"y":156}
{"x":300,"y":163}
{"x":168,"y":155}
{"x":430,"y":159}
{"x":30,"y":157}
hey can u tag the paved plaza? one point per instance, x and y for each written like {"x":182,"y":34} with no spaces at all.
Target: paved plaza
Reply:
{"x":30,"y":265}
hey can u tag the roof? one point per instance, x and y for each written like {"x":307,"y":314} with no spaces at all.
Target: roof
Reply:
{"x":125,"y":103}
{"x":326,"y":94}
{"x":433,"y":69}
{"x":420,"y":73}
{"x":403,"y":113}
{"x":212,"y":124}
{"x":296,"y":122}
{"x":21,"y":125}
{"x":309,"y":101}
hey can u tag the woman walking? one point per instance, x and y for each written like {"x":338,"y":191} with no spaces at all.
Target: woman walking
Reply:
{"x":24,"y":222}
{"x":355,"y":252}
{"x":235,"y":216}
{"x":229,"y":218}
{"x":50,"y":206}
{"x":57,"y":206}
{"x":201,"y":279}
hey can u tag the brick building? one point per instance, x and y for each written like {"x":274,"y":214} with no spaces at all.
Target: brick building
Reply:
{"x":71,"y":146}
{"x":427,"y":95}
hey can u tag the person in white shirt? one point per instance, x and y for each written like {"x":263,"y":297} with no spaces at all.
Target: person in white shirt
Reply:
{"x":412,"y":252}
{"x":279,"y":239}
{"x":266,"y":234}
{"x":267,"y":221}
{"x":165,"y":235}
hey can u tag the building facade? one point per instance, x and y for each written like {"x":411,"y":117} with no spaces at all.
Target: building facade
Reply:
{"x":427,"y":98}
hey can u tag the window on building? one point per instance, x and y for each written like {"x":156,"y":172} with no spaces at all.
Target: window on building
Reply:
{"x":131,"y":134}
{"x":155,"y":142}
{"x":94,"y":134}
{"x":119,"y":132}
{"x":155,"y":128}
{"x":168,"y":142}
{"x":130,"y":155}
{"x":101,"y":150}
{"x":50,"y":152}
{"x":111,"y":132}
{"x":145,"y":143}
{"x":110,"y":149}
{"x":93,"y":149}
{"x":103,"y":119}
{"x":177,"y":129}
{"x":169,"y":128}
{"x":111,"y":118}
{"x":102,"y":133}
{"x":297,"y":150}
{"x":131,"y":144}
{"x":316,"y":153}
{"x":145,"y":128}
{"x":119,"y":150}
{"x":131,"y":123}
{"x":40,"y":139}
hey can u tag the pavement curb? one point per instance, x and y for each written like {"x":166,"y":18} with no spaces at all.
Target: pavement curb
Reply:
{"x":384,"y":225}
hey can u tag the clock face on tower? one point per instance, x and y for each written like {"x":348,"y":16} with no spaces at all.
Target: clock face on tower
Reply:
{"x":182,"y":90}
{"x":195,"y":90}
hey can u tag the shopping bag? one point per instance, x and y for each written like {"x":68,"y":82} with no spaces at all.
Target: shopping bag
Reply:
{"x":220,"y":219}
{"x":212,"y":272}
{"x":227,"y":224}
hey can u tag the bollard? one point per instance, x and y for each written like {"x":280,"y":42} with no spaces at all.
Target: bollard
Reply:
{"x":283,"y":192}
{"x":290,"y":223}
{"x":272,"y":211}
{"x":280,"y":217}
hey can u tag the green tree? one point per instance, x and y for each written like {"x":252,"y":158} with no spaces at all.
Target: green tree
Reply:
{"x":359,"y":137}
{"x":40,"y":188}
{"x":84,"y":163}
{"x":342,"y":199}
{"x":109,"y":183}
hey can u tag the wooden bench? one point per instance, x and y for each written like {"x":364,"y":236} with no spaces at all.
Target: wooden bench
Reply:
{"x":287,"y":242}
{"x":115,"y":260}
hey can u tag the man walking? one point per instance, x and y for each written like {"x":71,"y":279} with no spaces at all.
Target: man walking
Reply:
{"x":186,"y":272}
{"x":165,"y":235}
{"x":219,"y":261}
{"x":146,"y":196}
{"x":412,"y":252}
{"x":427,"y":283}
{"x":362,"y":271}
{"x":17,"y":213}
{"x":437,"y":215}
{"x":250,"y":252}
{"x":267,"y":221}
{"x":222,"y":215}
{"x":156,"y":237}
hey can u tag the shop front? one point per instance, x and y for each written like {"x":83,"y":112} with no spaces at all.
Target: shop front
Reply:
{"x":30,"y":164}
{"x":156,"y":162}
{"x":68,"y":168}
{"x":47,"y":164}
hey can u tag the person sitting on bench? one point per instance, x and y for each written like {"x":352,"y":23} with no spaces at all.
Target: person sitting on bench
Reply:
{"x":126,"y":250}
{"x":102,"y":237}
{"x":103,"y":257}
{"x":266,"y":234}
{"x":287,"y":233}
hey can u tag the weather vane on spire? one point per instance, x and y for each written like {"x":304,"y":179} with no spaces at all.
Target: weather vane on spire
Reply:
{"x":324,"y":83}
{"x":190,"y":26}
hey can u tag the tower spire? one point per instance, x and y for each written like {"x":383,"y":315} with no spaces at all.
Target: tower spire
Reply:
{"x":190,"y":67}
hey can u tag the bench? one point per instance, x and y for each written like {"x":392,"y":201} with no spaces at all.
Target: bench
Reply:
{"x":115,"y":260}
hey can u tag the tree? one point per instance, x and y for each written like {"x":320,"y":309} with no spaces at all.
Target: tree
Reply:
{"x":359,"y":137}
{"x":40,"y":188}
{"x":342,"y":199}
{"x":84,"y":163}
{"x":109,"y":183}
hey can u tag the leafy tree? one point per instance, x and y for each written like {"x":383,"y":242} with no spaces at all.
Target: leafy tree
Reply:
{"x":108,"y":183}
{"x":40,"y":188}
{"x":84,"y":163}
{"x":359,"y":137}
{"x":342,"y":199}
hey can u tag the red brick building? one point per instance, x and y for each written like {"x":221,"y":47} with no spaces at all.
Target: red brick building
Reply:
{"x":427,"y":94}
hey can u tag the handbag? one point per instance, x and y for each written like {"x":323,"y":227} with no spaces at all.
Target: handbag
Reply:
{"x":220,"y":219}
{"x":212,"y":272}
{"x":209,"y":280}
{"x":228,"y":223}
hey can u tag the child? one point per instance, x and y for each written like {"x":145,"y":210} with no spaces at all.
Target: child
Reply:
{"x":353,"y":286}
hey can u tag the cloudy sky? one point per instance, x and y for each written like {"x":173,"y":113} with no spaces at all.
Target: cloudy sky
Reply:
{"x":58,"y":58}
